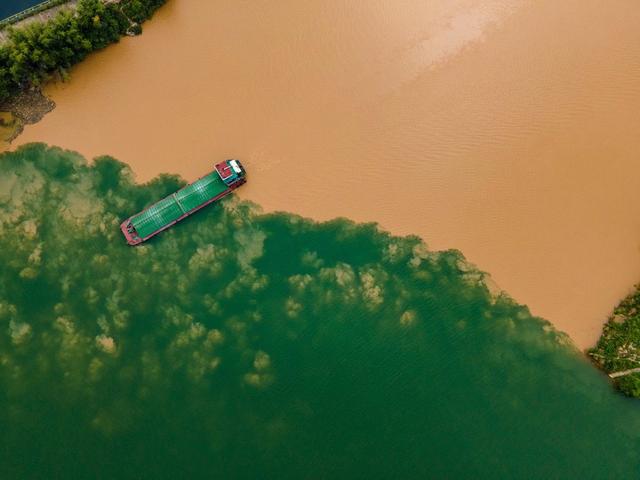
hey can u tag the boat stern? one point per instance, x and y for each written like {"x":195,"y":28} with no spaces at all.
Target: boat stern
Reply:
{"x":231,"y":172}
{"x":130,"y":233}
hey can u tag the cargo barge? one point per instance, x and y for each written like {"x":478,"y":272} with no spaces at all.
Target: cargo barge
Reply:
{"x":226,"y":177}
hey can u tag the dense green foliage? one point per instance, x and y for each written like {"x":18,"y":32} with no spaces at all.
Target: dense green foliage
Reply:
{"x":36,"y":51}
{"x":243,"y":345}
{"x":619,"y":346}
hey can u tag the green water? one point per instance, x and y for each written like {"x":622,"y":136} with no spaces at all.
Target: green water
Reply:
{"x":243,"y":345}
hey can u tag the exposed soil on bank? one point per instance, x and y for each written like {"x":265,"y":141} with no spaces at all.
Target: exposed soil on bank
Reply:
{"x":26,"y":108}
{"x":506,"y":129}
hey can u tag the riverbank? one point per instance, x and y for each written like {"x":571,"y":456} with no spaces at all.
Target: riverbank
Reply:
{"x":24,"y":108}
{"x":67,"y":33}
{"x":508,"y":131}
{"x":618,"y":350}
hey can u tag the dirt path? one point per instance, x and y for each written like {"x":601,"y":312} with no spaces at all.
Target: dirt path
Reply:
{"x":624,"y":372}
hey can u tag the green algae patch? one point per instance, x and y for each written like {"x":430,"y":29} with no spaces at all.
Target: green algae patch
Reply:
{"x":245,"y":345}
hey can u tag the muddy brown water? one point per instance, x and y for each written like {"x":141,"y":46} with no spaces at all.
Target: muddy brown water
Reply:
{"x":508,"y":129}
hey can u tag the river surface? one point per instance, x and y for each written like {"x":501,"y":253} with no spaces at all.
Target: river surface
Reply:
{"x":507,"y":129}
{"x":10,"y":7}
{"x":248,"y":346}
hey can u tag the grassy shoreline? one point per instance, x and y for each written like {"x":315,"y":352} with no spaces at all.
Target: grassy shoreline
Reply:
{"x":38,"y":51}
{"x":618,"y":349}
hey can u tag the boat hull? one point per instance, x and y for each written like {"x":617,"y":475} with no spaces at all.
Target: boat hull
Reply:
{"x":132,"y":240}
